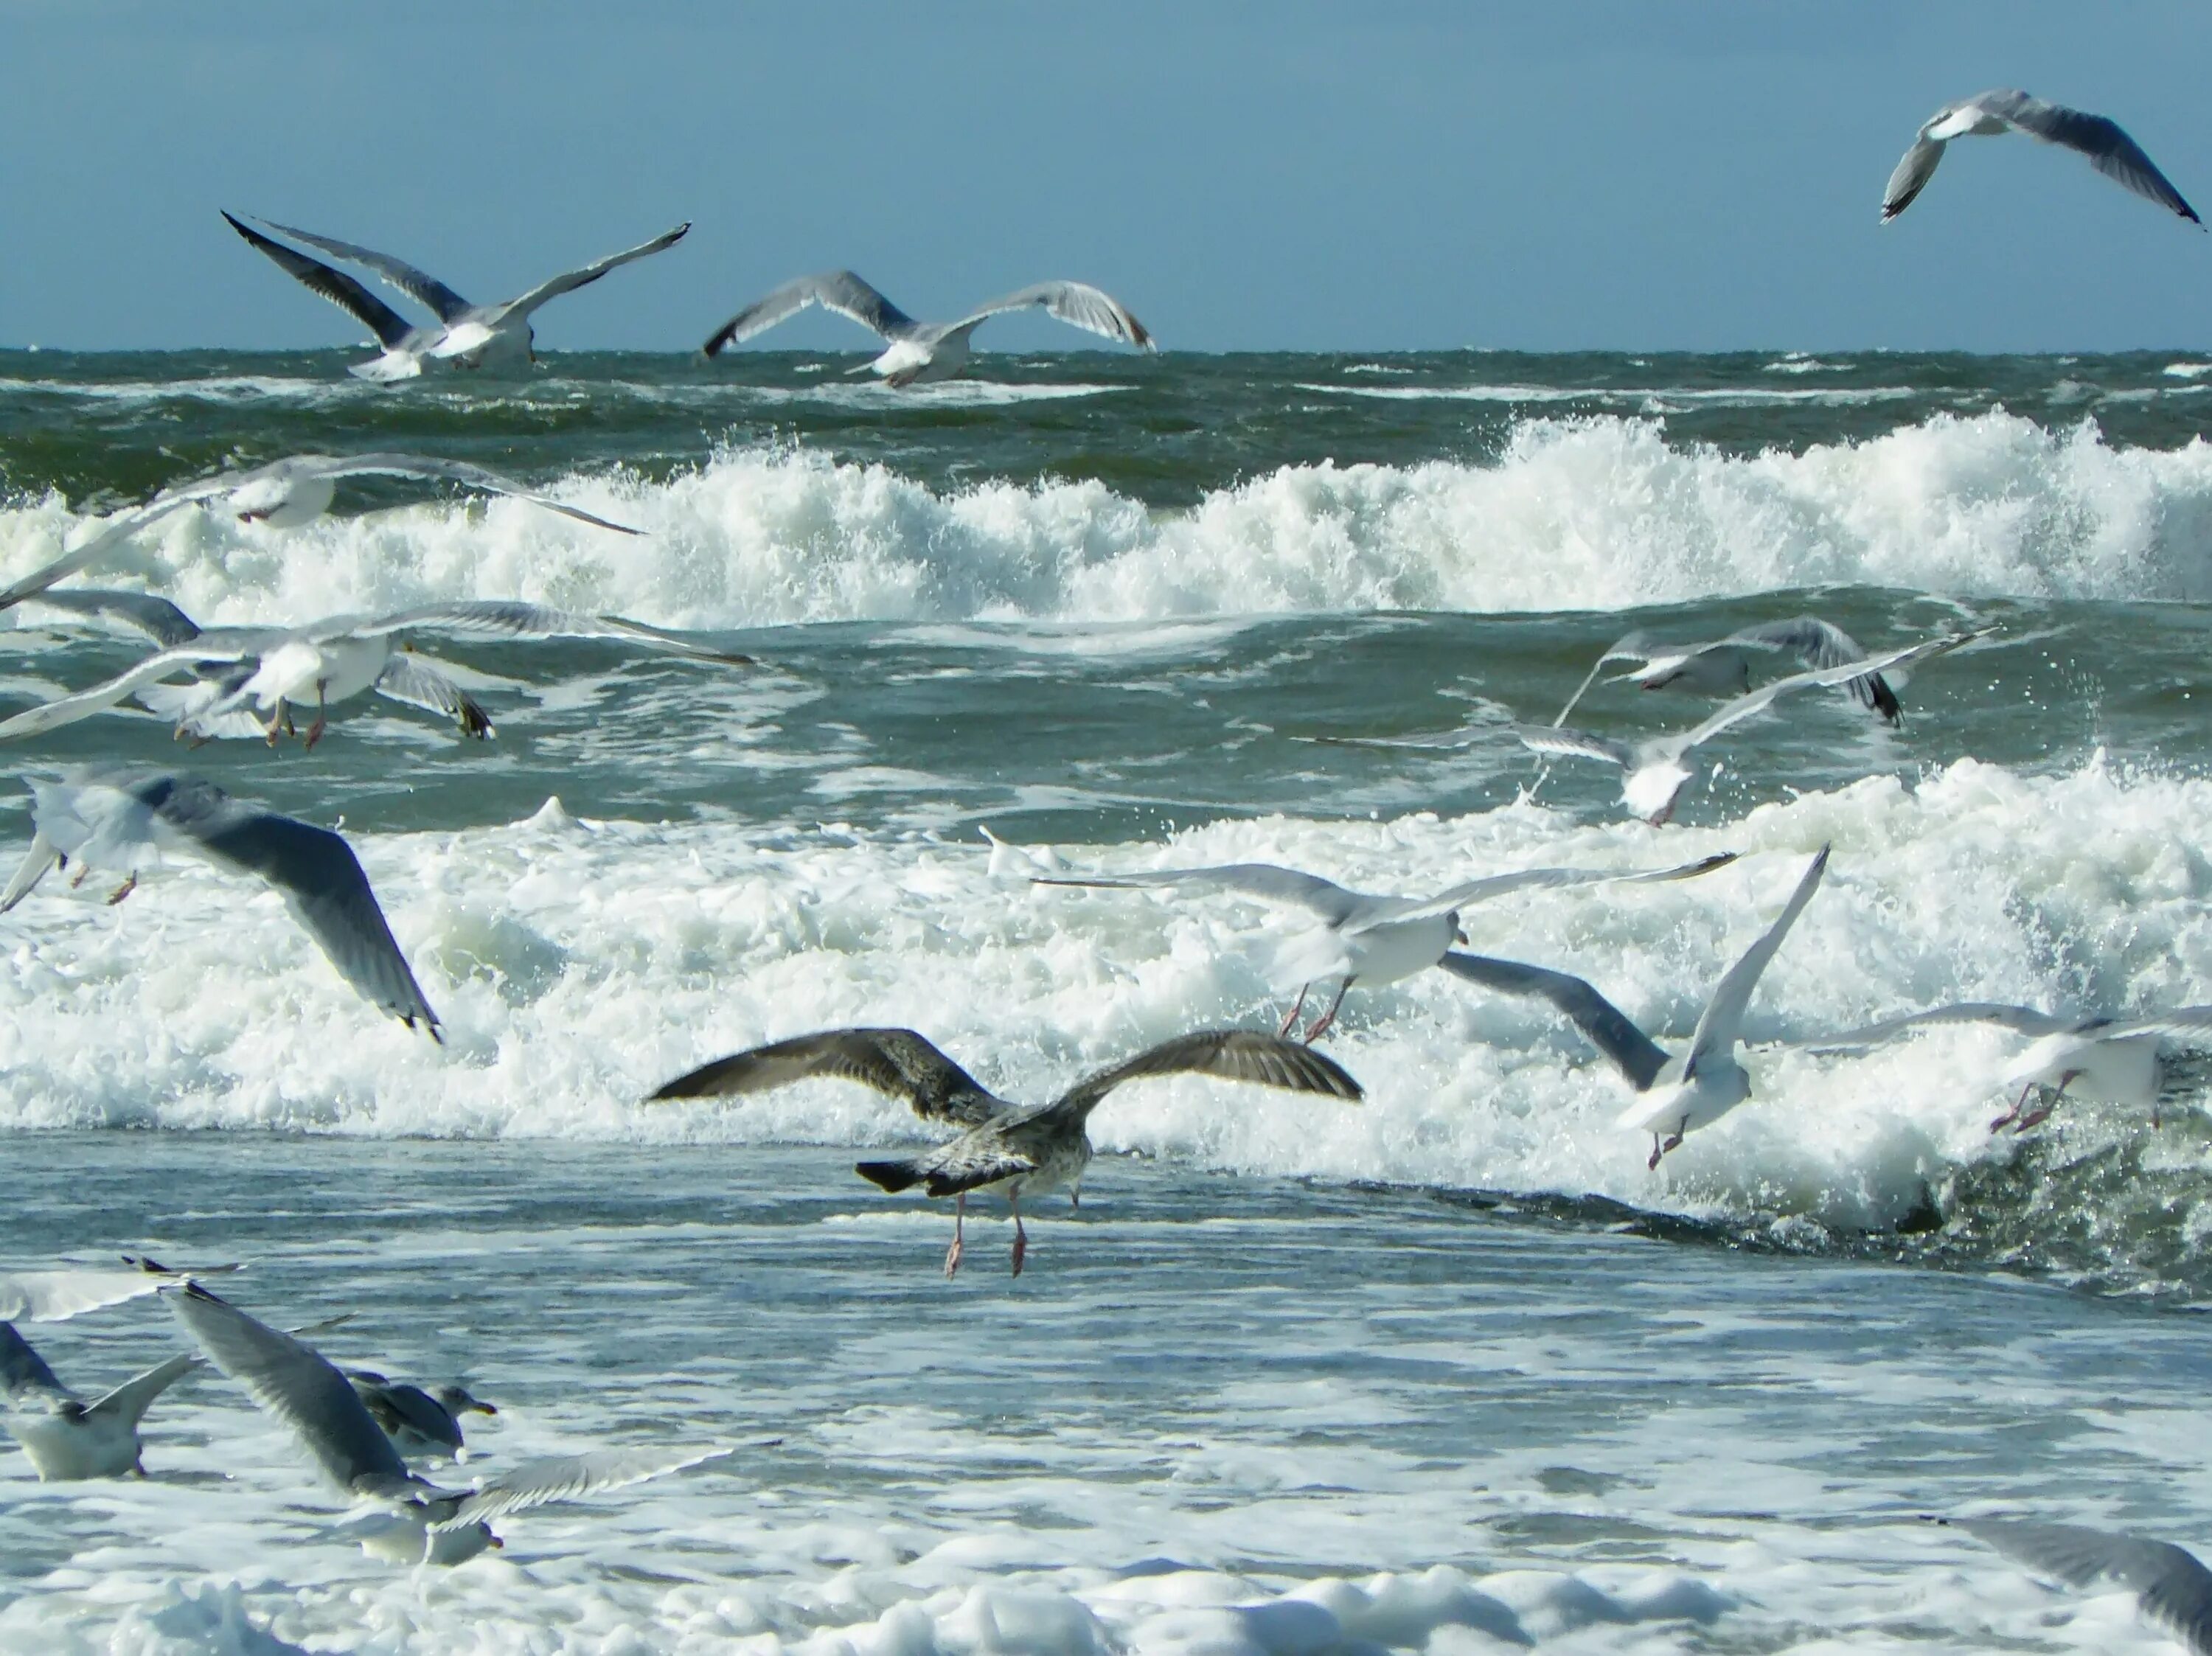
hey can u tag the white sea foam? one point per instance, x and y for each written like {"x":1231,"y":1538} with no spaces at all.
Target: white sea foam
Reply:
{"x":1601,"y":514}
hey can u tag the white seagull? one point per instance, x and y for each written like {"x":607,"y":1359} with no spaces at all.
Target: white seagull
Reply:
{"x":2114,"y":1060}
{"x":497,"y":338}
{"x":1675,"y":1094}
{"x":117,"y":818}
{"x":1020,"y":1150}
{"x":282,"y":494}
{"x":1653,"y":774}
{"x":334,"y":660}
{"x":2110,"y":150}
{"x":1363,"y":938}
{"x":2172,"y":1588}
{"x":65,"y":1437}
{"x":920,"y":352}
{"x":1724,"y":667}
{"x":301,"y":1388}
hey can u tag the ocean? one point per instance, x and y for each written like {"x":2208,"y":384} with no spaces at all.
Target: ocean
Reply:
{"x":1450,"y":1371}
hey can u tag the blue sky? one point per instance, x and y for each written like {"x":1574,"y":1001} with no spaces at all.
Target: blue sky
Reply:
{"x":1603,"y":173}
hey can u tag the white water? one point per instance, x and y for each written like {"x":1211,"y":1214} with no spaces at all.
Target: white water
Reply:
{"x":1591,"y":513}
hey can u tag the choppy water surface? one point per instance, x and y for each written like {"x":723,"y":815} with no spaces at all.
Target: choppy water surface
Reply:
{"x":1150,"y":613}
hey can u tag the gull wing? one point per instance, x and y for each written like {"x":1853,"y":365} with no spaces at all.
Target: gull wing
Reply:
{"x":504,"y":618}
{"x":412,"y":679}
{"x":315,"y":870}
{"x":417,"y":285}
{"x":896,"y":1062}
{"x":129,"y":1401}
{"x":1090,"y":308}
{"x":53,"y":1297}
{"x":1331,"y":902}
{"x":1500,"y":885}
{"x":2110,"y":149}
{"x":1721,"y":1022}
{"x":111,"y":533}
{"x":145,"y":612}
{"x":2022,"y":1019}
{"x":22,"y":1369}
{"x":1912,"y":175}
{"x":36,"y":721}
{"x":1575,"y":744}
{"x":2184,"y":1023}
{"x":1743,"y":708}
{"x":1230,"y":1054}
{"x":2174,"y":1589}
{"x":833,"y":290}
{"x":1634,"y":1053}
{"x":569,"y":280}
{"x":342,"y":290}
{"x":566,"y":1477}
{"x":1815,"y":643}
{"x":1630,"y":648}
{"x":457,"y":472}
{"x":298,"y":1387}
{"x":397,"y":1407}
{"x":38,"y":861}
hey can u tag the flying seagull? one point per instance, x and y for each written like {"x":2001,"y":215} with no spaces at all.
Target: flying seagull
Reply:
{"x":1724,"y":667}
{"x":920,"y":352}
{"x":2173,"y":1589}
{"x":296,"y":1383}
{"x":53,"y":1297}
{"x":283,"y":495}
{"x":1368,"y":939}
{"x":1022,"y":1150}
{"x":417,"y":1422}
{"x":497,"y":338}
{"x":2110,"y":150}
{"x":2112,"y":1059}
{"x":115,"y":818}
{"x":1675,"y":1093}
{"x":334,"y":660}
{"x":1653,"y":774}
{"x":65,"y":1437}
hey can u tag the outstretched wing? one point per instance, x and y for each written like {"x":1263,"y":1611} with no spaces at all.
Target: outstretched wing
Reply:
{"x":1575,"y":744}
{"x":568,"y":1477}
{"x":341,"y":289}
{"x":1500,"y":885}
{"x":833,"y":290}
{"x":457,"y":471}
{"x":1231,"y":1055}
{"x":1912,"y":175}
{"x":503,"y":618}
{"x":1743,"y":708}
{"x":1630,"y":648}
{"x":2110,"y":149}
{"x":569,"y":280}
{"x":22,"y":1369}
{"x":1331,"y":902}
{"x":52,"y":1296}
{"x":1609,"y":1029}
{"x":1815,"y":643}
{"x":416,"y":284}
{"x":2023,"y":1020}
{"x":144,"y":612}
{"x":1090,"y":308}
{"x":896,"y":1062}
{"x":2183,"y":1024}
{"x":129,"y":1401}
{"x":1722,"y":1019}
{"x":95,"y":546}
{"x":36,"y":721}
{"x":416,"y":681}
{"x":2175,"y":1589}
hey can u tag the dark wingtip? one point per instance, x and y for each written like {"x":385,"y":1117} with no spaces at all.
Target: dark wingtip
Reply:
{"x":891,"y":1175}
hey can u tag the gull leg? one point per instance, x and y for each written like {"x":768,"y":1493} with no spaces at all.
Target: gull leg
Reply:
{"x":2013,"y":1114}
{"x":124,"y":890}
{"x":315,"y":730}
{"x":1021,"y":1236}
{"x":2041,"y":1112}
{"x":1658,"y":1150}
{"x":275,"y":720}
{"x":1329,"y":1017}
{"x":1675,"y":1139}
{"x":83,"y":871}
{"x":952,"y":1254}
{"x":1290,"y":1017}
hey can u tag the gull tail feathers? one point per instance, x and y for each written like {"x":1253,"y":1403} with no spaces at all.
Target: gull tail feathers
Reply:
{"x":891,"y":1175}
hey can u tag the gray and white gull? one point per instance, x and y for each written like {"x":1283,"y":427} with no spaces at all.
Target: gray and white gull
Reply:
{"x":281,"y":494}
{"x":1653,"y":775}
{"x":495,"y":337}
{"x":920,"y":352}
{"x":119,"y":819}
{"x":426,"y":1524}
{"x":334,"y":660}
{"x":65,"y":1438}
{"x":1724,"y":666}
{"x":418,"y":1421}
{"x":1022,"y":1150}
{"x":1363,"y":938}
{"x":1987,"y":114}
{"x":1675,"y":1093}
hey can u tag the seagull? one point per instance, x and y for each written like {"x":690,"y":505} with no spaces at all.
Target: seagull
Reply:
{"x":2110,"y":150}
{"x":1653,"y":774}
{"x":283,"y":495}
{"x":334,"y":660}
{"x":417,"y":1422}
{"x":2115,"y":1060}
{"x":112,"y":817}
{"x":1676,"y":1094}
{"x":920,"y":352}
{"x":53,"y":1297}
{"x":1724,"y":667}
{"x":296,"y":1383}
{"x":1020,"y":1150}
{"x":1363,"y":938}
{"x":66,"y":1438}
{"x":494,"y":336}
{"x":2173,"y":1589}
